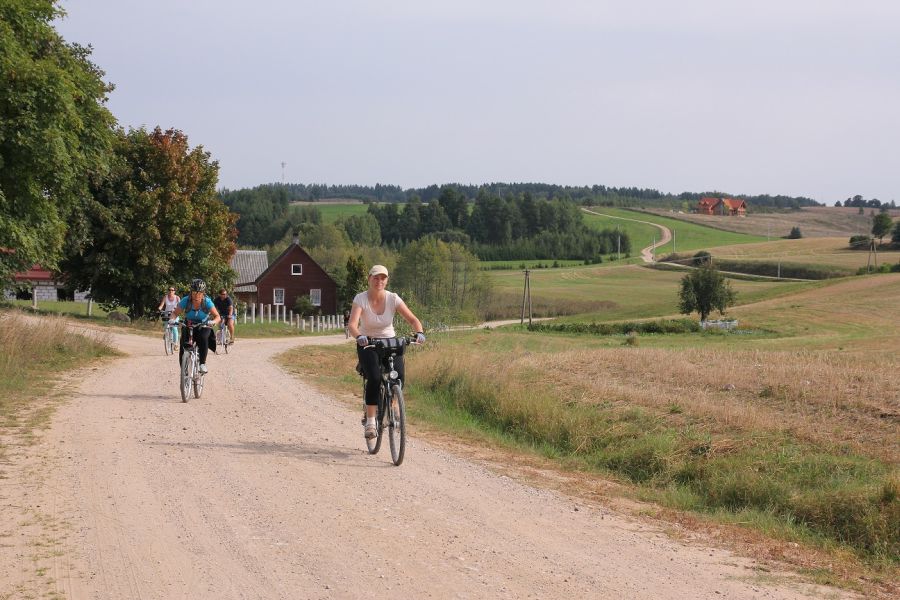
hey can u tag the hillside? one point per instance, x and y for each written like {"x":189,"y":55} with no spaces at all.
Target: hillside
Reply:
{"x":817,"y":221}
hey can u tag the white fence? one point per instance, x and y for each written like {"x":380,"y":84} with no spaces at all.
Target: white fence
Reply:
{"x":269,"y":313}
{"x":722,"y":324}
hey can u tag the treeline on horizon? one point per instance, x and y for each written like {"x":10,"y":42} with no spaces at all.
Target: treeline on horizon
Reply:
{"x":594,"y":195}
{"x":494,"y":227}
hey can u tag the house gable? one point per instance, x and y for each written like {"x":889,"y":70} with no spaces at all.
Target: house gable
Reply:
{"x":296,"y":274}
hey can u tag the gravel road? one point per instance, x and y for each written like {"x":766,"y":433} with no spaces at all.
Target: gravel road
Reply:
{"x":262,"y":489}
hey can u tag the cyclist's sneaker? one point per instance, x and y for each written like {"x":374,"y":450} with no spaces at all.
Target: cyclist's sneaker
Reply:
{"x":370,"y":432}
{"x":203,"y":369}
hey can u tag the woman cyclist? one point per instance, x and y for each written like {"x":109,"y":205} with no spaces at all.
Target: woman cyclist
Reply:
{"x":167,"y":305}
{"x":371,"y":318}
{"x":197,"y":308}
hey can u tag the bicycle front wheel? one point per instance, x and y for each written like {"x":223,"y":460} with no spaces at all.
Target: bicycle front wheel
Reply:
{"x":198,"y":379}
{"x":186,"y":376}
{"x":396,"y":416}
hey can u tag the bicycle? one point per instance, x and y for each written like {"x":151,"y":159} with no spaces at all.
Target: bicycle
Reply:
{"x":391,"y":404}
{"x":191,"y":377}
{"x":222,"y":336}
{"x":170,"y":333}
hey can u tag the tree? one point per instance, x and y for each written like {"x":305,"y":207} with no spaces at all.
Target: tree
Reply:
{"x":795,"y":233}
{"x":355,"y":282}
{"x":55,"y":134}
{"x":152,"y":222}
{"x":362,"y":229}
{"x":881,"y":225}
{"x":703,"y":290}
{"x":895,"y":237}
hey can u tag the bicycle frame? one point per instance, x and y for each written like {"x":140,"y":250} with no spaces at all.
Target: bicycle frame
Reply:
{"x":391,"y":404}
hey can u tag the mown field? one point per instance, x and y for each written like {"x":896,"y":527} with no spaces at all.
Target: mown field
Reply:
{"x":819,"y":251}
{"x":688,"y":236}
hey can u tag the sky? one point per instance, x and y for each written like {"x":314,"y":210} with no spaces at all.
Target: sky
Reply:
{"x":793,"y":97}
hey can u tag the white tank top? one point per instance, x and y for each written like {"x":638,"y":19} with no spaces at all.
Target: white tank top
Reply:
{"x":169,"y":305}
{"x":375,"y":325}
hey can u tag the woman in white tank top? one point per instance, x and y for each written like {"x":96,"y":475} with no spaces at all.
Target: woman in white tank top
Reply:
{"x":372,"y":316}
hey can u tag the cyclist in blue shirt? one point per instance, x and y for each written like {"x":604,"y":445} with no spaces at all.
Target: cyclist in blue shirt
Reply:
{"x":197,"y":310}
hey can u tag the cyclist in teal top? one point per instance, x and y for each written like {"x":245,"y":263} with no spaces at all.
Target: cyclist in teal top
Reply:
{"x":197,"y":310}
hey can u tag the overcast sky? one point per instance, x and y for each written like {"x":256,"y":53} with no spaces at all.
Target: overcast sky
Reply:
{"x":797,"y":97}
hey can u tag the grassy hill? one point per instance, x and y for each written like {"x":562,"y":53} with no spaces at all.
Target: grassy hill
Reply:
{"x":819,"y":221}
{"x":688,"y":236}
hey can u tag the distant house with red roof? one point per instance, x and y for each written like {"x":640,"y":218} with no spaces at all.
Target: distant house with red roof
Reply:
{"x":43,"y":284}
{"x":722,"y":206}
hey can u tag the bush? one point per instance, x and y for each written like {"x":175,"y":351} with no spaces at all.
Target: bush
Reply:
{"x":304,"y":307}
{"x":795,"y":233}
{"x":702,"y":258}
{"x":860,"y":242}
{"x":645,"y":327}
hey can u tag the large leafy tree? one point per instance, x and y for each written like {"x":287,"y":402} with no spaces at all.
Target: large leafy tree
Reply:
{"x":55,"y":133}
{"x":703,"y":290}
{"x":154,"y":221}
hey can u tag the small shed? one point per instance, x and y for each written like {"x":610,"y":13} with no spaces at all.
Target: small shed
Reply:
{"x":293,"y":274}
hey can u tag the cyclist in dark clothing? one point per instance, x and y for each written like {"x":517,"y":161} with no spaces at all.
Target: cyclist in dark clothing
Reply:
{"x":226,"y":308}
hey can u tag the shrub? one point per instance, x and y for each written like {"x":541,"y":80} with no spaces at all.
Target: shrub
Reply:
{"x":702,"y":258}
{"x":860,"y":242}
{"x":795,"y":233}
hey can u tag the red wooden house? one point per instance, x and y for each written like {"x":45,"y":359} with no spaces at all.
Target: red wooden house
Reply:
{"x":294,"y":274}
{"x":722,"y":206}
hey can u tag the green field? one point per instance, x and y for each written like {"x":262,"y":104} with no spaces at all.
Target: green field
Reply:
{"x":687,"y":235}
{"x":332,"y":211}
{"x":619,"y":292}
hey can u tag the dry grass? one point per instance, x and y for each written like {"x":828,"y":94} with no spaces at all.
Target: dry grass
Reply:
{"x":812,"y":251}
{"x":35,"y":352}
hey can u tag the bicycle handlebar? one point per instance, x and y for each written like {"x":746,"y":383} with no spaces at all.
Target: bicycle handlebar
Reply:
{"x":404,"y":341}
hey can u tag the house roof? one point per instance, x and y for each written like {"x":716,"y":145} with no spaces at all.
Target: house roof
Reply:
{"x":249,"y":265}
{"x":708,"y":201}
{"x":35,"y":273}
{"x":733,"y":203}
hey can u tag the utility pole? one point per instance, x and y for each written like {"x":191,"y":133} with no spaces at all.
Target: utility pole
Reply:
{"x":283,"y":165}
{"x":526,"y":298}
{"x":673,"y":242}
{"x":618,"y":244}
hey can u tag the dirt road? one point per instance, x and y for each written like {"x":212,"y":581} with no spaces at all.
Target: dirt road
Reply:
{"x":262,"y":489}
{"x":646,"y":253}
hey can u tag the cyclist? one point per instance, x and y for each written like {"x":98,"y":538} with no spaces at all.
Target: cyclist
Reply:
{"x":168,"y":302}
{"x":226,"y":308}
{"x":167,"y":305}
{"x":371,"y":318}
{"x":197,"y":308}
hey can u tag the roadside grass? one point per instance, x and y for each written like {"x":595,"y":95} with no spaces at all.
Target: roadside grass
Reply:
{"x":688,"y":236}
{"x":607,"y":294}
{"x":34,"y":356}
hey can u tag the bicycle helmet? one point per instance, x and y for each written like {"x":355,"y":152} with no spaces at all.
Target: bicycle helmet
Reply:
{"x":198,"y":285}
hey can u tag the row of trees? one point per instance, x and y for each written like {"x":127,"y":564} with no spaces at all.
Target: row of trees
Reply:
{"x":859,"y":201}
{"x":123,"y":214}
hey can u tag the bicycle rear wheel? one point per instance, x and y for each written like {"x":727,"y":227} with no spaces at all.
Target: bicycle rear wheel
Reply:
{"x":374,"y":444}
{"x":225,"y":340}
{"x":396,"y":416}
{"x":186,"y":376}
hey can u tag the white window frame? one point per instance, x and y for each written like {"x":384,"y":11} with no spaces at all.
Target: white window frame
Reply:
{"x":275,"y":296}
{"x":315,"y":297}
{"x":294,"y":269}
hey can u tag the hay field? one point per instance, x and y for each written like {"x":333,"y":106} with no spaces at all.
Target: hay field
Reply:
{"x":816,"y":221}
{"x":821,"y":251}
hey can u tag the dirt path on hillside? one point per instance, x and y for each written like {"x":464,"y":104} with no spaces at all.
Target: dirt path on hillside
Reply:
{"x":646,"y":253}
{"x":263,"y":489}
